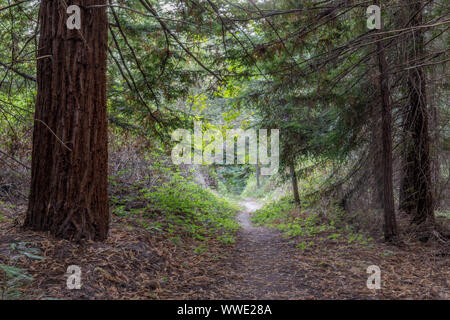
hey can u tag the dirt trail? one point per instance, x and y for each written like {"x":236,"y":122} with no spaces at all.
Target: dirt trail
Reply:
{"x":264,"y":262}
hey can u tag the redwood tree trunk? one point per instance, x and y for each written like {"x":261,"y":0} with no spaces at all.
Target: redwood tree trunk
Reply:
{"x":295,"y":185}
{"x":68,"y":195}
{"x":390,"y":224}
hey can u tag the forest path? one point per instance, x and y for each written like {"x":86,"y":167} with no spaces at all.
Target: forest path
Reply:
{"x":263,"y":262}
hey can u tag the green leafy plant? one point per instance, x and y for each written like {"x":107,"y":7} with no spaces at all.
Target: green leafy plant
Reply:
{"x":180,"y":206}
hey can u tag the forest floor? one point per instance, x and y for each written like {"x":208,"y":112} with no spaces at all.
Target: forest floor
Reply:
{"x":261,"y":264}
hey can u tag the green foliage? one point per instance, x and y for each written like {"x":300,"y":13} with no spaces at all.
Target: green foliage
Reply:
{"x":12,"y":279}
{"x":180,"y":206}
{"x":444,"y":214}
{"x":266,"y":189}
{"x":387,"y":253}
{"x":21,"y":248}
{"x":285,"y":216}
{"x":233,"y":177}
{"x":274,"y":213}
{"x":316,"y":86}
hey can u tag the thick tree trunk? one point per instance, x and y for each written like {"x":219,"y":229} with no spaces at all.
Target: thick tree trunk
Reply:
{"x":390,"y":224}
{"x":407,"y":195}
{"x":418,"y":172}
{"x":68,"y":195}
{"x":421,"y":183}
{"x":294,"y":184}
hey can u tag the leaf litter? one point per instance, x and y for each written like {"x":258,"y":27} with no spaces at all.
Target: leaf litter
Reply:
{"x":262,"y":264}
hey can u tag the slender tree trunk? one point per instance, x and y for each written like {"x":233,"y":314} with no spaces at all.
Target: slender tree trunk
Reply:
{"x":258,"y":176}
{"x":390,"y":224}
{"x":436,"y":148}
{"x":435,"y":141}
{"x":417,"y":130}
{"x":377,"y":163}
{"x":294,"y":184}
{"x":68,"y":195}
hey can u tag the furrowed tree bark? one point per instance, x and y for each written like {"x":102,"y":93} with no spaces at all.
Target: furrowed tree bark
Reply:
{"x":294,"y":184}
{"x":407,"y":195}
{"x":390,"y":223}
{"x":68,"y":195}
{"x":418,"y":187}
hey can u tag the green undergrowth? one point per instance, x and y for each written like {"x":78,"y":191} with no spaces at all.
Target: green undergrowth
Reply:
{"x":179,"y":207}
{"x":269,"y":188}
{"x":444,"y":214}
{"x":12,"y":279}
{"x":309,"y":223}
